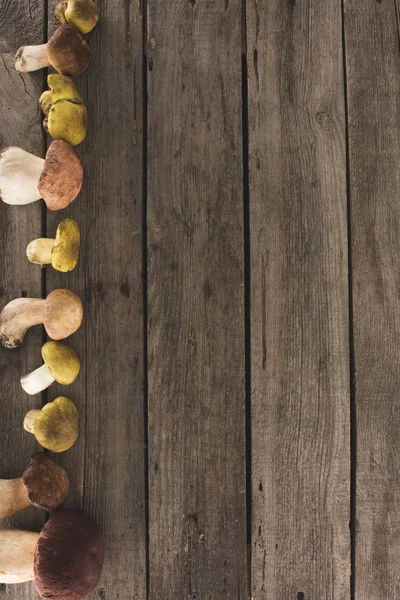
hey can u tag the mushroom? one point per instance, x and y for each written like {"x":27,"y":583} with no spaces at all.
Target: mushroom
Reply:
{"x":62,"y":252}
{"x":61,"y":314}
{"x":67,"y":51}
{"x":61,"y":364}
{"x":66,"y":115}
{"x":65,"y":559}
{"x":25,"y":178}
{"x":44,"y":484}
{"x":55,"y":426}
{"x":83,"y":14}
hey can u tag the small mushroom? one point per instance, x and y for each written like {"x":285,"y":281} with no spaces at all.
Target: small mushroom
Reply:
{"x":83,"y":14}
{"x":61,"y":364}
{"x":25,"y":178}
{"x":55,"y":426}
{"x":65,"y":114}
{"x":62,"y":252}
{"x":61,"y":313}
{"x":64,"y":560}
{"x":67,"y":51}
{"x":44,"y":484}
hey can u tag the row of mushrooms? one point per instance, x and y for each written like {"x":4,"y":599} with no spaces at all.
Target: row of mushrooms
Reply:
{"x":65,"y":558}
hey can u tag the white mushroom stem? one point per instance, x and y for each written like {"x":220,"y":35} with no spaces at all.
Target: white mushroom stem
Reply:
{"x":13,"y":498}
{"x":37,"y":381}
{"x":19,"y":176}
{"x":17,"y":549}
{"x":39,"y":251}
{"x":31,"y":58}
{"x":29,"y":421}
{"x":17,"y":317}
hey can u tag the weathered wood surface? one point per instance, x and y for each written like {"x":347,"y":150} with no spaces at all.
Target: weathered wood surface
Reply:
{"x":299,"y":302}
{"x":20,"y":23}
{"x":372,"y":49}
{"x":195,"y":302}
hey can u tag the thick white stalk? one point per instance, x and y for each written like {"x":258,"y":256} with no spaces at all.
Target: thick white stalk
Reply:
{"x":37,"y":381}
{"x":17,"y":549}
{"x":13,"y":498}
{"x":29,"y":421}
{"x":19,"y":176}
{"x":31,"y":58}
{"x":17,"y":317}
{"x":39,"y":251}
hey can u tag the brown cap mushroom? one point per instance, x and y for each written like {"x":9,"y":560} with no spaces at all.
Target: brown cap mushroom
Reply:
{"x":55,"y":426}
{"x":67,"y":51}
{"x":44,"y":484}
{"x":83,"y":14}
{"x":62,"y":252}
{"x":65,"y":559}
{"x":61,"y":364}
{"x":25,"y":178}
{"x":61,"y":314}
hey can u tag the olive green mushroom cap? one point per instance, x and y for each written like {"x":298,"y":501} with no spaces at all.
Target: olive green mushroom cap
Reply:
{"x":62,"y":362}
{"x":56,"y":425}
{"x":65,"y":253}
{"x":83,"y":14}
{"x":46,"y":482}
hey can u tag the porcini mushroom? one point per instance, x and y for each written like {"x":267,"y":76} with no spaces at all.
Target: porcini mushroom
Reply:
{"x":65,"y":114}
{"x":25,"y":178}
{"x":67,"y":51}
{"x":64,"y":560}
{"x":55,"y":426}
{"x":62,"y":252}
{"x":61,"y":364}
{"x":44,"y":484}
{"x":61,"y":314}
{"x":83,"y":14}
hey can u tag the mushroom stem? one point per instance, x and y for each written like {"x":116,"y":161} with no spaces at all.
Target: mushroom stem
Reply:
{"x":29,"y":421}
{"x":17,"y":317}
{"x":37,"y":381}
{"x":31,"y":58}
{"x":39,"y":251}
{"x":20,"y":173}
{"x":13,"y":498}
{"x":17,"y":549}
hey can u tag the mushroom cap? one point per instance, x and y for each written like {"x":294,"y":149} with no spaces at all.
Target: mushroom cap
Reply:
{"x":83,"y":14}
{"x":62,"y":361}
{"x":67,"y":121}
{"x":61,"y":88}
{"x":62,"y":176}
{"x":69,"y":556}
{"x":63,"y":314}
{"x":67,"y":51}
{"x":46,"y":482}
{"x":65,"y":251}
{"x":56,"y":425}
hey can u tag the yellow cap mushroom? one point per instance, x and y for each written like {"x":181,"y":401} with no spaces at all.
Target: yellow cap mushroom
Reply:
{"x":55,"y":426}
{"x":61,"y":364}
{"x":62,"y":252}
{"x":83,"y":14}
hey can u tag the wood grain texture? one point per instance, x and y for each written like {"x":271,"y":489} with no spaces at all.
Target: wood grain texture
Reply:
{"x":195,"y":302}
{"x":372,"y":49}
{"x":20,"y":23}
{"x":299,"y":302}
{"x":107,"y":464}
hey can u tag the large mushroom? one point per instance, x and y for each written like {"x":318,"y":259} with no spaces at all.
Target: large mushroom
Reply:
{"x":83,"y":14}
{"x":61,"y":313}
{"x":61,"y":253}
{"x":55,"y":426}
{"x":25,"y":178}
{"x":61,"y":364}
{"x":44,"y":484}
{"x":65,"y":559}
{"x":67,"y":51}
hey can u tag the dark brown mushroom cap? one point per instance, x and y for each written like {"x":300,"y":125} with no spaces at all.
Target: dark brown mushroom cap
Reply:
{"x":62,"y":176}
{"x":69,"y":556}
{"x":46,"y":482}
{"x":67,"y":51}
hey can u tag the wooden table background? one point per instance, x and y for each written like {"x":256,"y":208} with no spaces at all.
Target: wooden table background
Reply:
{"x":240,"y":216}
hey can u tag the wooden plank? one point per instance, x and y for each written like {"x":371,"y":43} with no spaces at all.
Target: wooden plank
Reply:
{"x":107,"y":465}
{"x":372,"y":49}
{"x":20,"y":23}
{"x":195,"y":302}
{"x":299,"y":302}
